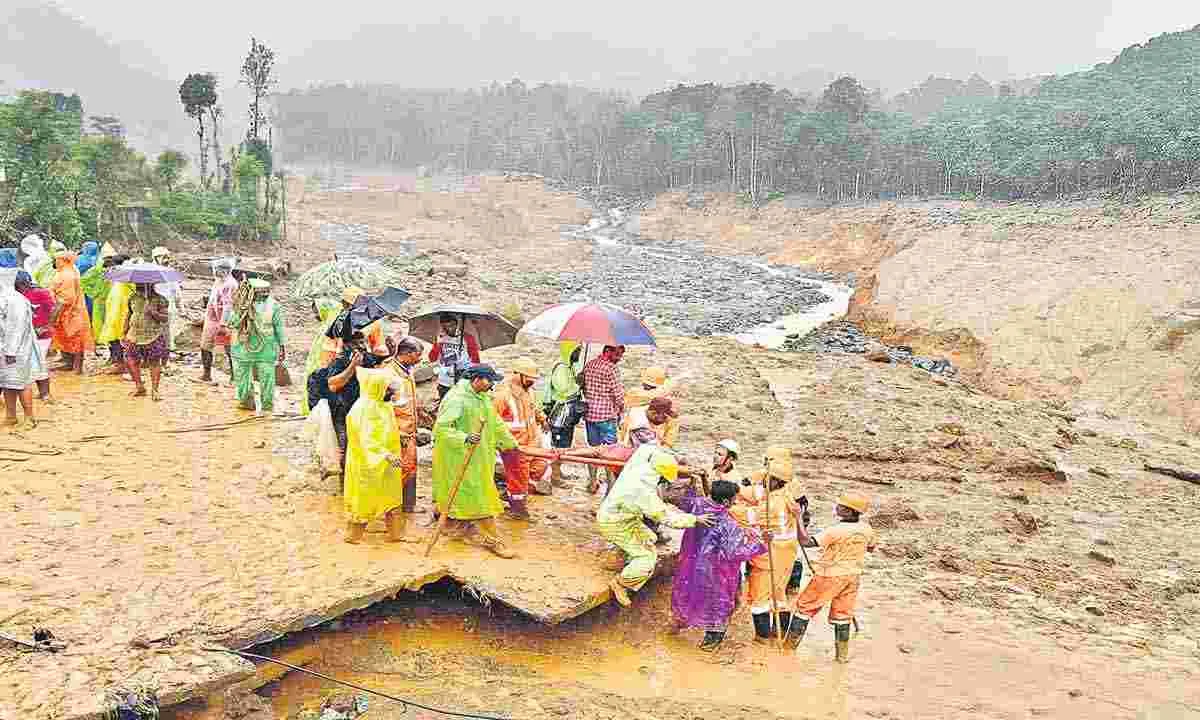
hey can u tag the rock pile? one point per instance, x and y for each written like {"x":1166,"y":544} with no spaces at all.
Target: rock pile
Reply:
{"x":847,"y":338}
{"x":683,"y":288}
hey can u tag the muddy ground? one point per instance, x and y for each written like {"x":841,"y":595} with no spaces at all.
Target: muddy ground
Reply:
{"x":1028,"y":567}
{"x":1092,"y":302}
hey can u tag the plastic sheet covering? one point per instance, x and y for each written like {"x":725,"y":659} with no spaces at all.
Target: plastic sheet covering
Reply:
{"x":319,"y":430}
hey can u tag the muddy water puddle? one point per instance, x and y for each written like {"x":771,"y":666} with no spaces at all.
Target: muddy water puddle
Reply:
{"x":447,"y":652}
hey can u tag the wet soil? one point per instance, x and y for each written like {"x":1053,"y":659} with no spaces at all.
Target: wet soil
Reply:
{"x":1028,"y":567}
{"x":447,"y":653}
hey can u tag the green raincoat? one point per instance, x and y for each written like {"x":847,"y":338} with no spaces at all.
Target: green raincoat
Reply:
{"x":96,"y":287}
{"x":563,"y":385}
{"x":462,"y":412}
{"x":43,"y":275}
{"x":328,"y":310}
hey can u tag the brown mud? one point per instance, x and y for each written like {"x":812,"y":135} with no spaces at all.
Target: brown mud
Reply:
{"x":1028,"y":567}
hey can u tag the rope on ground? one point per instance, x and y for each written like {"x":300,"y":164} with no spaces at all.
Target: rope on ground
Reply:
{"x":20,"y":451}
{"x":280,"y":417}
{"x":351,"y":685}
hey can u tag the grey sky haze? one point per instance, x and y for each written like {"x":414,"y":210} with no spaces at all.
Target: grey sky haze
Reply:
{"x":632,"y":44}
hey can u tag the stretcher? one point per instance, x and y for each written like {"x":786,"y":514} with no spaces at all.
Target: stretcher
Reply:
{"x":613,"y":458}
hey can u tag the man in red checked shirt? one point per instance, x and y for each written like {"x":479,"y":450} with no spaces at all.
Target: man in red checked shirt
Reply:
{"x":43,"y":304}
{"x":605,"y":402}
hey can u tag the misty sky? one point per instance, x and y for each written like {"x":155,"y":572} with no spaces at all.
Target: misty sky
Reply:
{"x":632,"y":44}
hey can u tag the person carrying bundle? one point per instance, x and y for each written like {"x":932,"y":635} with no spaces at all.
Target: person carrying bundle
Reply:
{"x":257,"y":321}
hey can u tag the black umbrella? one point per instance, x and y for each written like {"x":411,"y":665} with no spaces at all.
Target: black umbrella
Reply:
{"x":368,"y":309}
{"x":490,"y":329}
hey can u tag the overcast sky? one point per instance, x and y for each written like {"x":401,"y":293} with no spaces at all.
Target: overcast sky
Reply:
{"x":632,"y":43}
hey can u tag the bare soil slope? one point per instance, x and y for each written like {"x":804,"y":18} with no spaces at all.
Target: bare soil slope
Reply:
{"x":1090,"y":303}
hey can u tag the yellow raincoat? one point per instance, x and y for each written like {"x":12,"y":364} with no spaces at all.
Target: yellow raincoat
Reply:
{"x":116,"y":312}
{"x":317,"y":358}
{"x":373,"y":486}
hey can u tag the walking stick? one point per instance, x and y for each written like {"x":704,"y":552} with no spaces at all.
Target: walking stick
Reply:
{"x":444,"y":518}
{"x":771,"y":553}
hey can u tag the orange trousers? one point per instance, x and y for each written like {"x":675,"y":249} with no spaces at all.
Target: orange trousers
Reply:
{"x":518,"y":470}
{"x":840,"y":593}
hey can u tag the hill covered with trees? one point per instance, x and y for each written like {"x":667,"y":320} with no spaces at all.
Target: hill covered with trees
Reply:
{"x":1129,"y":126}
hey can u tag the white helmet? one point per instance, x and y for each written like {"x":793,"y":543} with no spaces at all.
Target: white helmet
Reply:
{"x":731,"y":446}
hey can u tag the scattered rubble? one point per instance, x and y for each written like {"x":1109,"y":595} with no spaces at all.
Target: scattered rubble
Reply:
{"x":845,"y":337}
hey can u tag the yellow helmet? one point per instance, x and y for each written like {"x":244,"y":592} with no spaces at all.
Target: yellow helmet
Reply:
{"x":854,"y":501}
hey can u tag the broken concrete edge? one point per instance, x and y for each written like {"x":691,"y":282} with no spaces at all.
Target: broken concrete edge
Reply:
{"x":247,"y":677}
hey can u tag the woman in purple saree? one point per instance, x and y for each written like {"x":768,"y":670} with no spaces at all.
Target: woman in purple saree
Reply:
{"x":708,"y":573}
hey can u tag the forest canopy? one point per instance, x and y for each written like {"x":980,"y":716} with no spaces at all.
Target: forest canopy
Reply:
{"x":1128,"y":126}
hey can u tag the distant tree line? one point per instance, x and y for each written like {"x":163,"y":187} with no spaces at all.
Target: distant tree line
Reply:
{"x":1128,"y":126}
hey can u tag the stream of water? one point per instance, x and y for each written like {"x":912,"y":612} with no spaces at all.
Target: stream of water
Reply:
{"x":683,"y":286}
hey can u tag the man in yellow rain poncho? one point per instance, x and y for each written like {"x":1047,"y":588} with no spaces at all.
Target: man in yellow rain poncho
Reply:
{"x":115,"y":318}
{"x":96,"y":287}
{"x":466,"y":418}
{"x":562,"y":402}
{"x":374,"y":476}
{"x":634,"y":498}
{"x":655,"y":384}
{"x":766,"y":591}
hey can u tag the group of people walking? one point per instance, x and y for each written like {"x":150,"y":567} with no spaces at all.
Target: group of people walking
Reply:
{"x":53,"y":300}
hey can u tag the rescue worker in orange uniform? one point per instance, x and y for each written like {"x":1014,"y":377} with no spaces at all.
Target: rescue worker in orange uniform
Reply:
{"x":406,"y":354}
{"x":836,"y":574}
{"x":767,"y":591}
{"x":526,"y":421}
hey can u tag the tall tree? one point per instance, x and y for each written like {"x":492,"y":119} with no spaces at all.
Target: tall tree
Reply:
{"x":169,"y":167}
{"x":846,"y":95}
{"x":198,"y":94}
{"x":38,"y":131}
{"x":257,"y":74}
{"x":214,"y":117}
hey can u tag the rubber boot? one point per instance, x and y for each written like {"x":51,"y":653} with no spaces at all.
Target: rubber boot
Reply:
{"x":397,"y":523}
{"x":620,"y":593}
{"x":795,"y":632}
{"x":841,"y":642}
{"x":762,"y":627}
{"x":355,"y":532}
{"x":711,"y":641}
{"x":785,"y":622}
{"x":206,"y":360}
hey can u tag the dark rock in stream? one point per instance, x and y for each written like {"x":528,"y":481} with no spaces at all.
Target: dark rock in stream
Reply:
{"x":847,"y":338}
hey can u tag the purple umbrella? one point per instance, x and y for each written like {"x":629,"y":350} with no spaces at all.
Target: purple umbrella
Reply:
{"x":143,"y":274}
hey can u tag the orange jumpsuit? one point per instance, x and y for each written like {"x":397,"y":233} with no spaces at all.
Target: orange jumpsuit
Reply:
{"x":524,"y":418}
{"x":750,"y":512}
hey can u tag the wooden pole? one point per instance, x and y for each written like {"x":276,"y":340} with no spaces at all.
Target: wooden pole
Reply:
{"x":444,"y":518}
{"x":771,"y":552}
